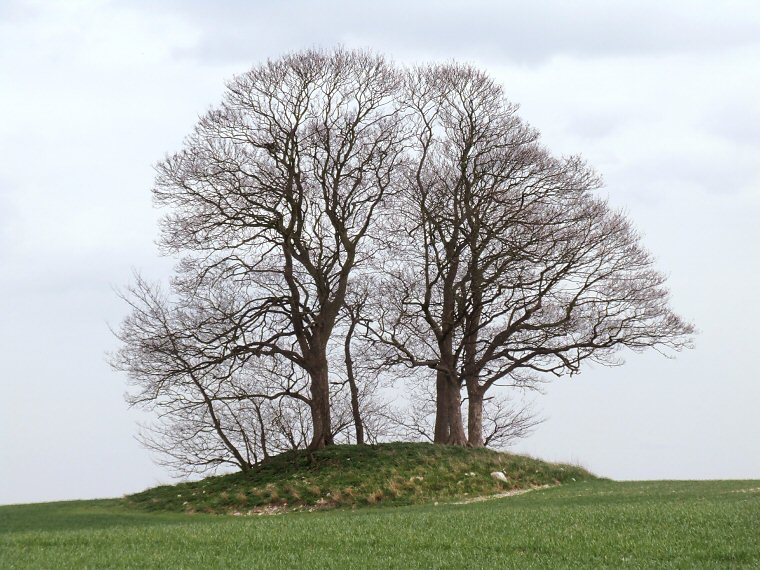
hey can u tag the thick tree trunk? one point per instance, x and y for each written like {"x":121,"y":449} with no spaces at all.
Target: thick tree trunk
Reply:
{"x":449,"y":428}
{"x":474,"y":417}
{"x":320,"y":406}
{"x":441,"y":431}
{"x":456,"y":427}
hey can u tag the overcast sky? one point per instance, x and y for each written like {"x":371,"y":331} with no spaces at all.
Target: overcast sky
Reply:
{"x":663,"y":98}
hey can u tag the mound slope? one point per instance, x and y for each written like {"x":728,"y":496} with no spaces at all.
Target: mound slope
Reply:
{"x":350,"y":475}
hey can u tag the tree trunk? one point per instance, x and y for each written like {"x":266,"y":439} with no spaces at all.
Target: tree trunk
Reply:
{"x":474,"y":417}
{"x":449,"y":428}
{"x":320,"y":406}
{"x":355,"y":411}
{"x":441,"y":431}
{"x":456,"y":427}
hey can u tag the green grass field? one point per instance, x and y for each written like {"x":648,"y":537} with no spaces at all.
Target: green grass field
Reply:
{"x":583,"y":524}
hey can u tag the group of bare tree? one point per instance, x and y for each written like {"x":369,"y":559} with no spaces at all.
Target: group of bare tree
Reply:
{"x":344,"y":225}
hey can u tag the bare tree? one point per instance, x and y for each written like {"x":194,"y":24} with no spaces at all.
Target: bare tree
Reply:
{"x":278,"y":189}
{"x":504,"y":421}
{"x":505,"y":266}
{"x":214,"y":407}
{"x":341,"y":225}
{"x":462,"y":129}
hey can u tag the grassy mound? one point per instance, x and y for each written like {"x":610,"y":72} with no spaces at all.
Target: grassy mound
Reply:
{"x":350,"y":475}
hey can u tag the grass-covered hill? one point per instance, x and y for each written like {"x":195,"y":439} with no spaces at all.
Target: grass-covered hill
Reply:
{"x":349,"y":475}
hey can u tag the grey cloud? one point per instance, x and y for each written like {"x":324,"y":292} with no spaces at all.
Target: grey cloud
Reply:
{"x":15,"y":11}
{"x":595,"y":125}
{"x":7,"y":213}
{"x":694,"y":170}
{"x":736,"y":124}
{"x":526,"y":33}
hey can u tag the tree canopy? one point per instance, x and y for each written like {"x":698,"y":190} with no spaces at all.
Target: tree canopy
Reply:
{"x":342,"y":224}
